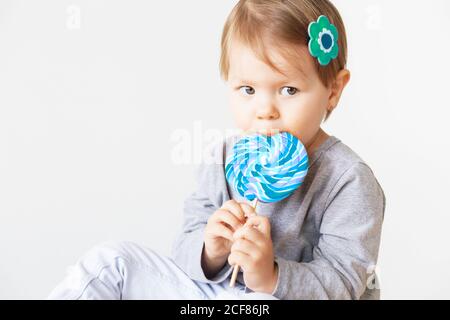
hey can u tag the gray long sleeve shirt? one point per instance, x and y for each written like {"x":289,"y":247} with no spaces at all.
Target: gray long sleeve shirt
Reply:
{"x":325,"y":236}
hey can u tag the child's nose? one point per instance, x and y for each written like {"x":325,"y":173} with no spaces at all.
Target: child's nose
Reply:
{"x":267,"y":111}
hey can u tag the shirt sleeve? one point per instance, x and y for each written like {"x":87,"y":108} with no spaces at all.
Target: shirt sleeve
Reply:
{"x":209,"y":196}
{"x":347,"y":250}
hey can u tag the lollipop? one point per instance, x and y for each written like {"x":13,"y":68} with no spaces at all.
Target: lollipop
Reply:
{"x":266,"y":168}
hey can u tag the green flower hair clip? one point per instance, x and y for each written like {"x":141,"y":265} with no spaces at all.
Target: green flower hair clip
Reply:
{"x":323,"y":43}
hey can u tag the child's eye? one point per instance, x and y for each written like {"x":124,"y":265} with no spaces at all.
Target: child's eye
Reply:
{"x":247,"y":90}
{"x":290,"y":91}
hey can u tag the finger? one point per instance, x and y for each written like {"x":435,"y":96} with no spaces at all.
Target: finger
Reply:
{"x":251,"y":234}
{"x":223,"y":215}
{"x":220,"y":230}
{"x":248,"y":210}
{"x":239,"y":258}
{"x":260,"y":222}
{"x":245,"y":246}
{"x":235,"y":209}
{"x":229,"y":218}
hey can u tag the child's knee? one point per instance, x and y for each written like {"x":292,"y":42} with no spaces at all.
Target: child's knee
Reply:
{"x":105,"y":253}
{"x":128,"y":252}
{"x":120,"y":255}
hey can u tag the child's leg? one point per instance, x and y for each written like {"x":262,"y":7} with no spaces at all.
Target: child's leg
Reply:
{"x":125,"y":270}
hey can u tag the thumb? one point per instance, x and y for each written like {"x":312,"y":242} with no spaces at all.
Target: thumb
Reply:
{"x":249,"y":211}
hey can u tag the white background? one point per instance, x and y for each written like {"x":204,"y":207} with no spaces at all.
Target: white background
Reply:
{"x":92,"y":91}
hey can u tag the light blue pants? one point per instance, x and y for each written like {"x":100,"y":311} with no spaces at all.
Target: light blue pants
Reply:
{"x":125,"y":270}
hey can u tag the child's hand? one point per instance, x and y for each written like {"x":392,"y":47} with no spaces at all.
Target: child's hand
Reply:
{"x":220,"y":228}
{"x":253,"y":251}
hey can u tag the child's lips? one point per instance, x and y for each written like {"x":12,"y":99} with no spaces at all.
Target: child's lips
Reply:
{"x":267,"y":132}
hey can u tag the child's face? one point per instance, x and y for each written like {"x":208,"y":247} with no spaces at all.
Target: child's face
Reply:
{"x":262,"y":99}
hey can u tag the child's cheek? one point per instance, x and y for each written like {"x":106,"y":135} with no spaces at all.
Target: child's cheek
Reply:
{"x":241,"y":116}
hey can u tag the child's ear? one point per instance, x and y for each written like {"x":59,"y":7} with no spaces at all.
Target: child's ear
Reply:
{"x":342,"y":79}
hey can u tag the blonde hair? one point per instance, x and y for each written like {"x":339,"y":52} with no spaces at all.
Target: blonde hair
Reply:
{"x":283,"y":23}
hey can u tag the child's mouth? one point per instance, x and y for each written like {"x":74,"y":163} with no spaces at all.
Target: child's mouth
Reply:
{"x":267,"y":132}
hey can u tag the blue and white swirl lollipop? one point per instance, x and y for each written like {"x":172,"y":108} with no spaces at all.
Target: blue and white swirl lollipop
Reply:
{"x":267,"y":168}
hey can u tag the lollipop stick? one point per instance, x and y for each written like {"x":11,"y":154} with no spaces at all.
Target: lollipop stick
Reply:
{"x":236,"y":267}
